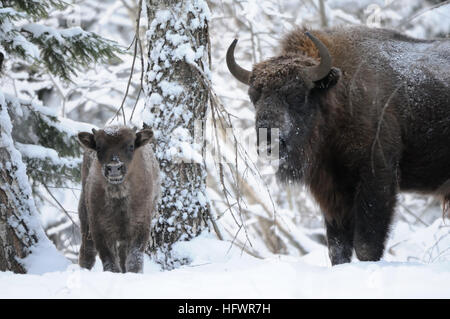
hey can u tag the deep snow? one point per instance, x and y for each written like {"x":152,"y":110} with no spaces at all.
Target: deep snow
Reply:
{"x":216,"y":271}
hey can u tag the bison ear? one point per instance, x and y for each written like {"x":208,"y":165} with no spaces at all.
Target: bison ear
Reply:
{"x":143,"y":137}
{"x":330,"y":80}
{"x":87,"y":140}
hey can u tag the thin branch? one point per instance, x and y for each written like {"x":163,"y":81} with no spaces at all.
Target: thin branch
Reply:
{"x":407,"y":20}
{"x":138,"y":19}
{"x":141,"y":51}
{"x":60,"y":206}
{"x":414,"y":215}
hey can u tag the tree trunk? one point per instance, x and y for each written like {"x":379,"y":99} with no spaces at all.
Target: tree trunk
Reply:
{"x":177,"y":97}
{"x":16,"y":203}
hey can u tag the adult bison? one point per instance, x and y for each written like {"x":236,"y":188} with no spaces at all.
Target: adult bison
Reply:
{"x":362,"y":114}
{"x":120,"y":190}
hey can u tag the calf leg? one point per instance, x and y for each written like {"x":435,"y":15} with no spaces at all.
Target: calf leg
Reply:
{"x":123,"y":252}
{"x":374,"y":206}
{"x":108,"y":253}
{"x":87,"y":253}
{"x":135,"y":256}
{"x":135,"y":260}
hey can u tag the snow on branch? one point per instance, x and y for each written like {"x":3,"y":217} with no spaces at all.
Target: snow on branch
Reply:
{"x":48,"y":143}
{"x":62,"y":52}
{"x":36,"y":9}
{"x":22,"y":238}
{"x":65,"y":51}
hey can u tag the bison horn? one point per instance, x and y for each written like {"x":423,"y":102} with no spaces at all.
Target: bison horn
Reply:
{"x":321,"y":71}
{"x":238,"y":72}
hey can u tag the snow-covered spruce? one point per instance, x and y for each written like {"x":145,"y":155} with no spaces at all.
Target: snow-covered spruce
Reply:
{"x":32,"y":133}
{"x":22,"y":239}
{"x":47,"y":142}
{"x":44,"y":137}
{"x":61,"y":52}
{"x":177,"y":97}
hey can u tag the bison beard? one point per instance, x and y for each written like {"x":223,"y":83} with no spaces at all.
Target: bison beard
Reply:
{"x":367,"y":116}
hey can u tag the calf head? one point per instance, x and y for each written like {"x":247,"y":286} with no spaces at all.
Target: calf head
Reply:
{"x":286,"y":91}
{"x":115,"y":148}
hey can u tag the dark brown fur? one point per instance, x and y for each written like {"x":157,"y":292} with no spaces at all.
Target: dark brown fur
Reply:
{"x":115,"y":218}
{"x":379,"y":123}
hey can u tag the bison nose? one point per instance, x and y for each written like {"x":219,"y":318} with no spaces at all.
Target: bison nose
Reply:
{"x":115,"y":169}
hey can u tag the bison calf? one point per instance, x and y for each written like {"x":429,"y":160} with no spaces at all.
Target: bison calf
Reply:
{"x":120,"y":190}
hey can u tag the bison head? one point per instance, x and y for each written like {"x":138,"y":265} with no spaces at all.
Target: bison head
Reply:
{"x":286,"y":92}
{"x":115,"y":148}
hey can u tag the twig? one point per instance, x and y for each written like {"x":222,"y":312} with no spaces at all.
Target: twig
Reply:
{"x":406,"y":20}
{"x":377,"y":135}
{"x":60,"y":206}
{"x":132,"y":65}
{"x":141,"y":51}
{"x":415,"y":216}
{"x":135,"y":104}
{"x":64,"y":187}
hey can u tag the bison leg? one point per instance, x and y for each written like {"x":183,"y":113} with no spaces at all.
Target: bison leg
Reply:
{"x":107,"y":253}
{"x":123,"y":251}
{"x":87,"y":250}
{"x":109,"y":261}
{"x":135,"y":260}
{"x":135,"y":256}
{"x":339,"y":223}
{"x":373,"y":210}
{"x":340,"y":241}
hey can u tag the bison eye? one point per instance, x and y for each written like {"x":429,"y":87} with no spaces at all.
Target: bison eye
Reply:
{"x":131,"y":148}
{"x":294,"y":99}
{"x":254,"y":94}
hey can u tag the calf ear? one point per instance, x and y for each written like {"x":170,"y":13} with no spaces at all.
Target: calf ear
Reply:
{"x":143,"y":137}
{"x":330,"y":80}
{"x":87,"y":140}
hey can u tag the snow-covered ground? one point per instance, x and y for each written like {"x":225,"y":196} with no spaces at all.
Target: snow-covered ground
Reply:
{"x":218,"y":270}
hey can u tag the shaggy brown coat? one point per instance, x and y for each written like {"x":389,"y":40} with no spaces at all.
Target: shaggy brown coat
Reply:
{"x":378,"y":123}
{"x":115,"y":218}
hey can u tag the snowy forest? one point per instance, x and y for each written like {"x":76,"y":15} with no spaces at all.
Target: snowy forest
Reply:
{"x":224,"y":226}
